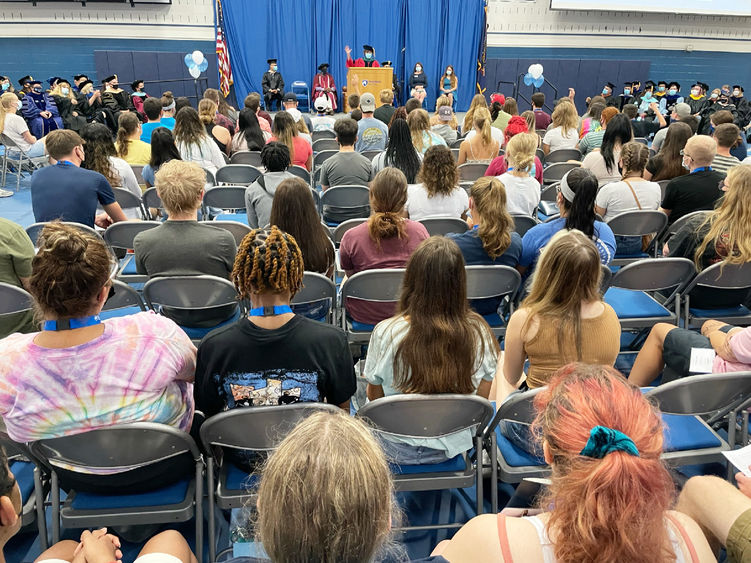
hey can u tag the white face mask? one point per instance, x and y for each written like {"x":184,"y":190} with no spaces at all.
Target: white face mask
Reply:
{"x":64,"y":91}
{"x":695,"y":92}
{"x":418,"y":69}
{"x":19,"y":104}
{"x":449,"y":72}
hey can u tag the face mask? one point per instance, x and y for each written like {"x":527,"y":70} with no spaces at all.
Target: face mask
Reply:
{"x":627,"y":91}
{"x":715,"y":95}
{"x":723,"y":101}
{"x":448,"y":72}
{"x":65,"y":91}
{"x":5,"y":86}
{"x":37,"y":89}
{"x":605,"y":91}
{"x":736,"y":93}
{"x":115,"y":86}
{"x":647,"y":95}
{"x":274,"y":67}
{"x":694,"y":92}
{"x":672,"y":92}
{"x":661,"y":88}
{"x":684,"y":164}
{"x":20,"y":104}
{"x":368,"y":56}
{"x":418,"y":69}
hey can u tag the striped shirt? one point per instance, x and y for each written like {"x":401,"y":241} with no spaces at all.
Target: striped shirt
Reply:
{"x":724,"y":163}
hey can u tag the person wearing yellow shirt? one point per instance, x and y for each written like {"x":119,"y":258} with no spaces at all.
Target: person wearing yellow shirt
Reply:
{"x":129,"y":145}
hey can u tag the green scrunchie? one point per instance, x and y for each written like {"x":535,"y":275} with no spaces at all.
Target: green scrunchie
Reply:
{"x":603,"y":440}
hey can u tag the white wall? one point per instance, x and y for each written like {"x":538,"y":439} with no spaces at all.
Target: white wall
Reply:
{"x":183,"y":20}
{"x":531,"y":23}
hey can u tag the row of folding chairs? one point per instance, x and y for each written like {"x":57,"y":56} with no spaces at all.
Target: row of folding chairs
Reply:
{"x":14,"y":156}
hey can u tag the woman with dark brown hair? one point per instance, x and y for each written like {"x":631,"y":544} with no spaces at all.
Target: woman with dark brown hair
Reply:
{"x":438,"y":194}
{"x":668,"y":163}
{"x":434,"y":344}
{"x":293,"y":211}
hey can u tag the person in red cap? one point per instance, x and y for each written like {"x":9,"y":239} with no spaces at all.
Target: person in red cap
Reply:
{"x":368,"y":58}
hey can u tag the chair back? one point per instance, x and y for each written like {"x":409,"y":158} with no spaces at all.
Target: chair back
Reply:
{"x":323,"y":134}
{"x":14,"y":299}
{"x":522,"y":223}
{"x":471,"y":171}
{"x":315,"y":287}
{"x":556,"y":171}
{"x":151,"y":199}
{"x":300,"y":172}
{"x":444,"y":225}
{"x":381,"y":285}
{"x":663,"y":187}
{"x":321,"y":157}
{"x":641,"y":140}
{"x":457,"y":144}
{"x":121,"y":235}
{"x":326,"y":144}
{"x":252,"y":158}
{"x":455,"y":154}
{"x":346,"y":226}
{"x":225,"y":197}
{"x":638,"y":223}
{"x":519,"y":407}
{"x":138,"y":171}
{"x":562,"y":155}
{"x":189,"y":292}
{"x":655,"y":274}
{"x":35,"y":229}
{"x":237,"y":174}
{"x":539,"y":153}
{"x":370,"y":155}
{"x":210,"y":178}
{"x":125,"y":296}
{"x":348,"y":198}
{"x":238,"y":230}
{"x":259,"y":428}
{"x":702,"y":394}
{"x":679,"y":223}
{"x":427,"y":416}
{"x":550,"y":193}
{"x":723,"y":276}
{"x":607,"y":278}
{"x":484,"y":282}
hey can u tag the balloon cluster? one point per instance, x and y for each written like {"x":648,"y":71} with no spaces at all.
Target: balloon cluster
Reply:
{"x":196,"y":63}
{"x":534,"y":76}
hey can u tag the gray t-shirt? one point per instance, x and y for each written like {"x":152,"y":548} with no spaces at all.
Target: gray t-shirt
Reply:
{"x":346,"y":168}
{"x":258,"y":198}
{"x":372,"y":135}
{"x":185,"y":248}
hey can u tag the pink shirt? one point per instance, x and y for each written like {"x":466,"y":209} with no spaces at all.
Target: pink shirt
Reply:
{"x":303,"y":151}
{"x":140,"y":369}
{"x":740,"y":345}
{"x":359,"y":252}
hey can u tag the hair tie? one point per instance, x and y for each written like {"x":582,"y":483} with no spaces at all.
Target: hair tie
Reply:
{"x":603,"y":440}
{"x":567,"y":192}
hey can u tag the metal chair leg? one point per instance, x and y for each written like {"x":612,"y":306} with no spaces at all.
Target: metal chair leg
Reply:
{"x":41,"y":517}
{"x":212,"y":507}
{"x":199,"y":511}
{"x":55,"y":498}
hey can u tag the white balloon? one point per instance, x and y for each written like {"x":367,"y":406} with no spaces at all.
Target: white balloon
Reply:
{"x":194,"y":72}
{"x":535,"y":70}
{"x":197,"y":57}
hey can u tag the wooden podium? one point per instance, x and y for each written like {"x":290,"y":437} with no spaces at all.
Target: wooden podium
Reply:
{"x":362,"y":79}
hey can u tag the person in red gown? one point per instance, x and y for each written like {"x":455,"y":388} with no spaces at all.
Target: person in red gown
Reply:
{"x":324,"y":85}
{"x":368,"y":59}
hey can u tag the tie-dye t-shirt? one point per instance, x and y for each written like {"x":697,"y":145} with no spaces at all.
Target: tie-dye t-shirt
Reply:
{"x":140,"y":369}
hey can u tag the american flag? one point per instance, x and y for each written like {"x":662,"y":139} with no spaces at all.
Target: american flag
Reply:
{"x":222,"y":54}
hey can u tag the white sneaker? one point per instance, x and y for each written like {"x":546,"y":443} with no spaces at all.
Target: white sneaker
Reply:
{"x":5,"y":193}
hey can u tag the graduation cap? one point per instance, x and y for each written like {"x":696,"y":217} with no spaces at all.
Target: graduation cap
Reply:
{"x":386,"y":63}
{"x":270,"y":61}
{"x":110,"y":78}
{"x":738,"y":87}
{"x":323,"y":66}
{"x":662,"y":82}
{"x":134,"y":84}
{"x":678,"y":86}
{"x":85,"y":83}
{"x":52,"y":80}
{"x":704,"y":86}
{"x":79,"y":76}
{"x":25,"y":79}
{"x":649,"y":84}
{"x":368,"y":48}
{"x":33,"y":82}
{"x":610,"y":85}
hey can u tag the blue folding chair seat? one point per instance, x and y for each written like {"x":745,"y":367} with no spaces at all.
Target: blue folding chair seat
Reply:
{"x":630,"y":304}
{"x":130,"y":266}
{"x":175,"y":493}
{"x":197,"y":333}
{"x":738,"y":311}
{"x":494,"y":320}
{"x":23,"y":471}
{"x":687,"y":432}
{"x":457,"y":463}
{"x":361,"y":327}
{"x":514,"y":456}
{"x":234,"y":478}
{"x":236,"y":217}
{"x":124,"y":312}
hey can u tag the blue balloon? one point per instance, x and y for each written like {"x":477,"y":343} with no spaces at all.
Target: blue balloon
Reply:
{"x":204,"y":65}
{"x":539,"y":82}
{"x":189,"y":60}
{"x":528,"y":79}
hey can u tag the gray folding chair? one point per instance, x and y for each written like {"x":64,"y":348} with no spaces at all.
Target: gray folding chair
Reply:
{"x":345,"y":202}
{"x":433,"y":416}
{"x":125,"y":301}
{"x":323,"y":134}
{"x":443,"y":225}
{"x":663,"y":185}
{"x":494,"y":282}
{"x":254,"y":429}
{"x":344,"y":227}
{"x":128,"y":200}
{"x":14,"y":299}
{"x":370,"y":155}
{"x":322,"y":157}
{"x":730,"y":284}
{"x":300,"y":172}
{"x":13,"y":154}
{"x":641,"y":140}
{"x":253,"y":158}
{"x":607,"y":278}
{"x":315,"y":288}
{"x":151,"y":200}
{"x":636,"y":224}
{"x":548,"y":205}
{"x":138,"y":171}
{"x":670,"y":230}
{"x":522,"y":223}
{"x":210,"y":178}
{"x":562,"y":155}
{"x":238,"y":230}
{"x":230,"y":199}
{"x":471,"y":171}
{"x":634,"y":296}
{"x":371,"y":286}
{"x":325,"y":145}
{"x":689,"y":439}
{"x":111,"y":450}
{"x":514,"y":462}
{"x":35,"y":229}
{"x":457,"y":144}
{"x":455,"y":154}
{"x":539,"y":153}
{"x":237,"y":174}
{"x":120,"y":236}
{"x":556,"y":171}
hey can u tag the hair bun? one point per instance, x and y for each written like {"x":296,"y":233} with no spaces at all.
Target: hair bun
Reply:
{"x":63,"y":244}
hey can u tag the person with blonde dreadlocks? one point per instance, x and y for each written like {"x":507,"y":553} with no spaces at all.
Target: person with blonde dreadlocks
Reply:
{"x":272,"y":356}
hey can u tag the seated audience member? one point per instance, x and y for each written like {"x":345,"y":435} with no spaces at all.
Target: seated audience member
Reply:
{"x":68,"y":106}
{"x":438,"y":193}
{"x":386,"y":240}
{"x":644,"y":128}
{"x":386,"y":109}
{"x":249,"y":136}
{"x":14,"y":127}
{"x":180,"y":103}
{"x":610,"y":493}
{"x":293,"y":210}
{"x":542,"y":119}
{"x":478,"y":101}
{"x":68,"y":192}
{"x":522,"y":189}
{"x":726,"y":136}
{"x":444,"y":121}
{"x":353,"y":102}
{"x":290,"y":103}
{"x":400,"y":113}
{"x":347,"y":167}
{"x":411,"y":105}
{"x":699,"y":189}
{"x":226,"y":115}
{"x":285,"y":131}
{"x":194,"y":143}
{"x":260,"y":194}
{"x":163,"y":149}
{"x":496,"y":133}
{"x":101,"y":157}
{"x":576,"y":201}
{"x":302,"y":129}
{"x":16,"y":253}
{"x":412,"y":353}
{"x":681,"y":113}
{"x":40,"y":111}
{"x":668,"y":162}
{"x":183,"y":246}
{"x":511,"y":107}
{"x":529,"y":117}
{"x":272,"y":356}
{"x":593,"y":139}
{"x":480,"y":147}
{"x":129,"y":145}
{"x":499,"y":165}
{"x":740,"y":151}
{"x":604,"y":163}
{"x":372,"y":133}
{"x":145,"y":363}
{"x":253,"y":102}
{"x":221,"y":135}
{"x":563,"y":319}
{"x":400,"y":152}
{"x":563,"y":133}
{"x":169,"y":110}
{"x":322,"y":120}
{"x":152,"y":108}
{"x":422,"y":137}
{"x":590,"y":122}
{"x":632,"y":193}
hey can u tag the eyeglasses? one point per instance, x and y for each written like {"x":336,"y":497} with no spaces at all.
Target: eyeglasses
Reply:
{"x":683,"y":153}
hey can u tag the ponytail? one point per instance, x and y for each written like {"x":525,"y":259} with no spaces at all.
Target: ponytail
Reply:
{"x":388,"y":196}
{"x":581,"y":211}
{"x":520,"y":151}
{"x":127,"y":125}
{"x":489,"y":196}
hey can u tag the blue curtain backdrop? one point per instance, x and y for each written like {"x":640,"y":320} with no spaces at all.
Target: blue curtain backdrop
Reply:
{"x":302,"y":34}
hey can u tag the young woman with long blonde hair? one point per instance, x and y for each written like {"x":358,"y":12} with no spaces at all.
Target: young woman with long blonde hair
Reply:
{"x":207,"y":111}
{"x":522,"y":188}
{"x":419,"y":127}
{"x":564,"y":134}
{"x":480,"y":147}
{"x":478,"y":101}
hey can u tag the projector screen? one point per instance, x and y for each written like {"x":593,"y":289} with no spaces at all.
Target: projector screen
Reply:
{"x":704,"y":7}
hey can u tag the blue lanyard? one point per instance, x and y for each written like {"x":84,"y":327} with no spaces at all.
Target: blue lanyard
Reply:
{"x":270,"y":311}
{"x":702,"y":169}
{"x":65,"y":163}
{"x":70,"y":324}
